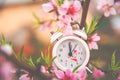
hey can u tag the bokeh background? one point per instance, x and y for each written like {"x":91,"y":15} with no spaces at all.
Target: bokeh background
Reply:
{"x":16,"y":23}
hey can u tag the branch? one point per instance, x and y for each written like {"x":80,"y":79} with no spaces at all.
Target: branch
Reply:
{"x":32,"y":70}
{"x":84,"y":13}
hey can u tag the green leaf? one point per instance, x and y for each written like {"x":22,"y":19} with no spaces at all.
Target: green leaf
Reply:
{"x":118,"y":64}
{"x":102,"y":23}
{"x":60,"y":2}
{"x":113,"y":59}
{"x":10,"y":43}
{"x":3,"y":42}
{"x":36,"y":17}
{"x":21,"y":53}
{"x":53,"y":59}
{"x":93,"y":25}
{"x":38,"y":60}
{"x":76,"y":68}
{"x":31,"y":61}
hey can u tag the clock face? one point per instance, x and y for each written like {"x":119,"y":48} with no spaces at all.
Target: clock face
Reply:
{"x":71,"y":52}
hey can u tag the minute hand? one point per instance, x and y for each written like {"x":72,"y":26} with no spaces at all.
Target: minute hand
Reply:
{"x":70,"y":51}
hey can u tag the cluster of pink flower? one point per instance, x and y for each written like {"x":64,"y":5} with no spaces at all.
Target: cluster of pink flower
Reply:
{"x":69,"y":75}
{"x":108,"y":7}
{"x":64,"y":14}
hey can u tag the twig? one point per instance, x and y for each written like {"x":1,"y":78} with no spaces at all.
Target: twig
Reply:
{"x":84,"y":13}
{"x":32,"y":70}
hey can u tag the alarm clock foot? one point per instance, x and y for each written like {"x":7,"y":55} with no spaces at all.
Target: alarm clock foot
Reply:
{"x":88,"y":69}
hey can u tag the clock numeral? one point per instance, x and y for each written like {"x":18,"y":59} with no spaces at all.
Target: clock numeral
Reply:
{"x":64,"y":45}
{"x":61,"y":50}
{"x":61,"y":60}
{"x":80,"y":58}
{"x":59,"y":55}
{"x":71,"y":65}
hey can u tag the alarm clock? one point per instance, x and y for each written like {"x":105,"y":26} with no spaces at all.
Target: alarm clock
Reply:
{"x":70,"y":51}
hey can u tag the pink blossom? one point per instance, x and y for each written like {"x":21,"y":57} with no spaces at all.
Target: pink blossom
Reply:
{"x":92,"y":41}
{"x":98,"y":73}
{"x":118,"y":78}
{"x":47,"y":7}
{"x":71,"y":8}
{"x":7,"y":49}
{"x":7,"y":71}
{"x":43,"y":69}
{"x":68,"y":75}
{"x":68,"y":31}
{"x":46,"y":25}
{"x":117,"y":4}
{"x":25,"y":77}
{"x":64,"y":21}
{"x":81,"y":74}
{"x":106,"y":6}
{"x":51,"y":6}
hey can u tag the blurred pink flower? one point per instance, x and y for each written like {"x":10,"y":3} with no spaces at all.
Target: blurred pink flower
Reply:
{"x":51,"y":6}
{"x":97,"y":73}
{"x":81,"y":74}
{"x":68,"y":31}
{"x":106,"y":6}
{"x":46,"y":25}
{"x":47,"y":7}
{"x":92,"y":41}
{"x":7,"y":49}
{"x":118,"y":78}
{"x":7,"y":71}
{"x":25,"y":77}
{"x":43,"y":69}
{"x":117,"y":4}
{"x":64,"y":21}
{"x":70,"y":8}
{"x":68,"y":75}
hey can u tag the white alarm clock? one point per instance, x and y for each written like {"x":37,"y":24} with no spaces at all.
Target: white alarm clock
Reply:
{"x":70,"y":51}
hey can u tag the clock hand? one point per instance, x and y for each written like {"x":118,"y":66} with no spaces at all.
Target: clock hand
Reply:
{"x":74,"y":59}
{"x":70,"y":51}
{"x":74,"y":47}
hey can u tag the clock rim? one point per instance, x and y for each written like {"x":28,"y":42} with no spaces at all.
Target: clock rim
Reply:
{"x":78,"y":39}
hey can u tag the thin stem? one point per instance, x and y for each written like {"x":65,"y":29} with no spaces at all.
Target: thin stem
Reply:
{"x":84,"y":13}
{"x":32,"y":70}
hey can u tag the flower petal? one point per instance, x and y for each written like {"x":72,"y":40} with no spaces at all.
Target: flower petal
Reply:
{"x":62,"y":11}
{"x":95,"y":37}
{"x":47,"y":7}
{"x":97,"y":73}
{"x":107,"y":13}
{"x":113,"y":11}
{"x":42,"y":69}
{"x":7,"y":49}
{"x":59,"y":74}
{"x":93,"y":45}
{"x":24,"y":77}
{"x":76,"y":16}
{"x":77,"y":5}
{"x":82,"y":74}
{"x":68,"y":73}
{"x":68,"y":31}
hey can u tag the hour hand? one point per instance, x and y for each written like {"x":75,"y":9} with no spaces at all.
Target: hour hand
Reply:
{"x":70,"y":51}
